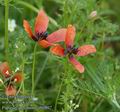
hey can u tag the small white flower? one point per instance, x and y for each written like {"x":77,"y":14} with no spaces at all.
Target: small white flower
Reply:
{"x":93,"y":14}
{"x":11,"y":25}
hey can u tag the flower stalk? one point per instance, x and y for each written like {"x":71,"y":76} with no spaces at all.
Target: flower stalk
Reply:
{"x":33,"y":69}
{"x":6,"y":29}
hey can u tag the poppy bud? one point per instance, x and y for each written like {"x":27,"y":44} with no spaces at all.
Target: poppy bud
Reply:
{"x":10,"y":90}
{"x":93,"y":14}
{"x":5,"y":70}
{"x":18,"y":77}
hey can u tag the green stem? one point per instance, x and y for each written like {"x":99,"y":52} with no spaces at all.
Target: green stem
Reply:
{"x":41,"y":70}
{"x":55,"y":109}
{"x":26,"y":4}
{"x":6,"y":29}
{"x":23,"y":85}
{"x":84,"y":105}
{"x":33,"y":69}
{"x":114,"y":100}
{"x":103,"y":39}
{"x":62,"y":82}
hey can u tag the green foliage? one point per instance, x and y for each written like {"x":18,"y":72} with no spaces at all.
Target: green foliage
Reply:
{"x":56,"y":82}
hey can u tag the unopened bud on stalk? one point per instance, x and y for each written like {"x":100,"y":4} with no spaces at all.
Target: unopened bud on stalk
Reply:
{"x":93,"y":14}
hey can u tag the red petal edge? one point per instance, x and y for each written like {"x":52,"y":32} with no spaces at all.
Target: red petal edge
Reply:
{"x":41,"y":22}
{"x":57,"y":50}
{"x":70,"y":35}
{"x":76,"y":64}
{"x":85,"y":50}
{"x":57,"y":36}
{"x":44,"y":43}
{"x":28,"y":29}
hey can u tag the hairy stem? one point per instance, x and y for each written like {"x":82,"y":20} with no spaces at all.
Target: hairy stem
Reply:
{"x":33,"y":69}
{"x":41,"y":70}
{"x":6,"y":29}
{"x":55,"y":109}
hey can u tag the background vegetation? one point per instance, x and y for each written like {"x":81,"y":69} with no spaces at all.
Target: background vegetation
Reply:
{"x":57,"y":84}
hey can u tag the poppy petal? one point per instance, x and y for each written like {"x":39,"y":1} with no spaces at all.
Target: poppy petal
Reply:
{"x":44,"y":43}
{"x":85,"y":50}
{"x":28,"y":29}
{"x":57,"y":50}
{"x":57,"y":36}
{"x":76,"y":64}
{"x":10,"y":90}
{"x":41,"y":22}
{"x":70,"y":35}
{"x":18,"y":77}
{"x":5,"y":70}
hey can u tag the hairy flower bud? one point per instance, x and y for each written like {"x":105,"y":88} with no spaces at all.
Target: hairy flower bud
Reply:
{"x":93,"y":14}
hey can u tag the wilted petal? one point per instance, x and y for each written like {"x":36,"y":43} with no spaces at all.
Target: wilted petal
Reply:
{"x":41,"y":22}
{"x":57,"y":36}
{"x":86,"y":49}
{"x":44,"y":43}
{"x":28,"y":30}
{"x":18,"y":77}
{"x":5,"y":70}
{"x":57,"y":50}
{"x":70,"y":35}
{"x":10,"y":90}
{"x":76,"y":64}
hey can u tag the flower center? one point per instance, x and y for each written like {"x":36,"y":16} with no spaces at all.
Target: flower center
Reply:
{"x":71,"y":50}
{"x":41,"y":36}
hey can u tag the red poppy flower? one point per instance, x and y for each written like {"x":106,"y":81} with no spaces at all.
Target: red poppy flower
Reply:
{"x":10,"y":80}
{"x":41,"y":35}
{"x":71,"y":50}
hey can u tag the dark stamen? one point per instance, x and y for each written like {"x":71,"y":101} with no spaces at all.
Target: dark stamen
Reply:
{"x":41,"y":36}
{"x":71,"y":50}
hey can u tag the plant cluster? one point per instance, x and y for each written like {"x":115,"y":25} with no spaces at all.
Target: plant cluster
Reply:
{"x":49,"y":65}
